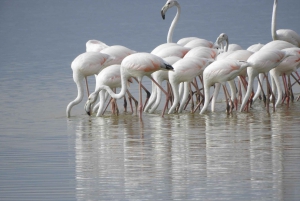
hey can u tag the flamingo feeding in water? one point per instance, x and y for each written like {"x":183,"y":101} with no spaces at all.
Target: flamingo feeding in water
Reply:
{"x":136,"y":65}
{"x":220,"y":71}
{"x":262,"y":61}
{"x":86,"y":64}
{"x":109,"y":76}
{"x":185,"y":70}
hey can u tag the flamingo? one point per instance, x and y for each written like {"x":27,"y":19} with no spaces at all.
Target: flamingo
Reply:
{"x":185,"y":70}
{"x":286,"y":67}
{"x":117,"y":52}
{"x":227,"y":47}
{"x":199,"y":52}
{"x":86,"y":64}
{"x":187,"y":42}
{"x":220,"y":71}
{"x":283,"y":34}
{"x":111,"y":77}
{"x":277,"y":45}
{"x":175,"y":49}
{"x":136,"y":65}
{"x":240,"y":55}
{"x":262,"y":61}
{"x":159,"y":76}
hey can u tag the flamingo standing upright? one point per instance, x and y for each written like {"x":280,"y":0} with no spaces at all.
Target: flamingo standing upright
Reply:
{"x":184,"y":41}
{"x":283,"y":34}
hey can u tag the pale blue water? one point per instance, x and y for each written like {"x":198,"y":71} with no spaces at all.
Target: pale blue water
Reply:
{"x":45,"y":156}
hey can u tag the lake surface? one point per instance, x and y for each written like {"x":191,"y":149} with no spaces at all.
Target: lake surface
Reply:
{"x":46,"y":156}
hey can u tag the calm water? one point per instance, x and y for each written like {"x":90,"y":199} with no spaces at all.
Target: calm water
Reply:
{"x":45,"y":156}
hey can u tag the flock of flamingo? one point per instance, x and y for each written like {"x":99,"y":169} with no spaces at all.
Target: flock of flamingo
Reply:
{"x":184,"y":65}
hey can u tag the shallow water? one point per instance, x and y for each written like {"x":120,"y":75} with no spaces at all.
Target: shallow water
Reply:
{"x":46,"y":156}
{"x":188,"y":156}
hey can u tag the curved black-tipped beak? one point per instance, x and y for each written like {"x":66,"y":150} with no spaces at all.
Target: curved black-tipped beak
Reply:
{"x":169,"y":67}
{"x":163,"y":14}
{"x":87,"y":108}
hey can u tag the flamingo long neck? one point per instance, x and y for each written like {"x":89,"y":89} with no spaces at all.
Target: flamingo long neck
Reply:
{"x":273,"y":29}
{"x":173,"y":24}
{"x":215,"y":96}
{"x":175,"y":89}
{"x":227,"y":45}
{"x":251,"y":75}
{"x":78,"y":99}
{"x":207,"y":97}
{"x":124,"y":78}
{"x":103,"y":98}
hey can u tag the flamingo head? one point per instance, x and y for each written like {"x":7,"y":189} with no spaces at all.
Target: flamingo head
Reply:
{"x":92,"y":99}
{"x":219,"y":42}
{"x":169,"y":4}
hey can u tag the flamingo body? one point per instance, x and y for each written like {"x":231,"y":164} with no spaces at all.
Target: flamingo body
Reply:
{"x":202,"y":52}
{"x":178,"y":51}
{"x":118,"y":52}
{"x":86,"y":64}
{"x":220,"y":71}
{"x":255,"y":47}
{"x":185,"y":70}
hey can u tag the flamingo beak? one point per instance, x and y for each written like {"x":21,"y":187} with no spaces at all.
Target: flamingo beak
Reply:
{"x":87,"y":107}
{"x":163,"y":14}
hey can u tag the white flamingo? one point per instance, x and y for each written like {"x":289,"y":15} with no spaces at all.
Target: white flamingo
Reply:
{"x":136,"y":65}
{"x":109,"y":76}
{"x":283,"y":34}
{"x":185,"y":70}
{"x":220,"y":71}
{"x":86,"y":64}
{"x":262,"y":61}
{"x":286,"y":67}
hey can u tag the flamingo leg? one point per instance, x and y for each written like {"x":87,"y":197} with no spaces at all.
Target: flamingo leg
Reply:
{"x":107,"y":105}
{"x":170,"y":94}
{"x":87,"y":87}
{"x":226,"y":99}
{"x":285,"y":88}
{"x":291,"y":95}
{"x":140,"y":100}
{"x":135,"y":102}
{"x":198,"y":106}
{"x":191,"y":95}
{"x":270,"y":92}
{"x":262,"y":89}
{"x":125,"y":104}
{"x":147,"y":92}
